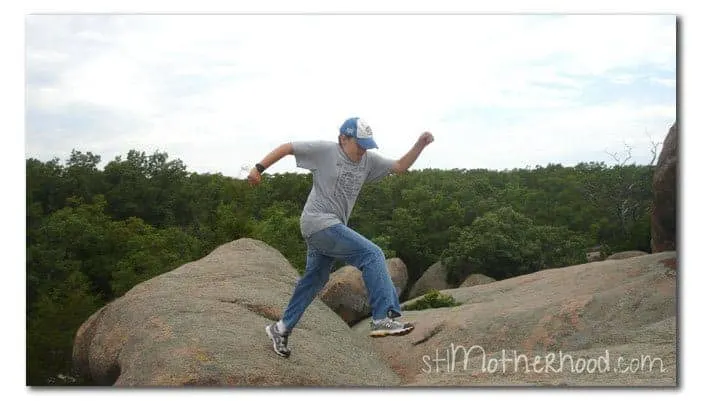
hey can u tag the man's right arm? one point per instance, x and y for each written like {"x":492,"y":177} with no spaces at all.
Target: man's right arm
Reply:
{"x":270,"y":159}
{"x":307,"y":155}
{"x":277,"y":154}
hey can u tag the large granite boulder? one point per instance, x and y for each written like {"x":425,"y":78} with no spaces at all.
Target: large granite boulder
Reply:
{"x":433,"y":278}
{"x":203,"y":324}
{"x":346,"y":294}
{"x":620,"y":314}
{"x":665,"y":195}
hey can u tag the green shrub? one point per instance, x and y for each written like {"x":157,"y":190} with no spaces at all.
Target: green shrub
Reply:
{"x":433,"y":299}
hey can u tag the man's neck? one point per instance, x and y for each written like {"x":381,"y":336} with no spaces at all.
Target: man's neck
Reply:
{"x":348,"y":155}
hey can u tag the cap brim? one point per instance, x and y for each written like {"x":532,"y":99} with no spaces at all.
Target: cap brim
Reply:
{"x":367,"y":143}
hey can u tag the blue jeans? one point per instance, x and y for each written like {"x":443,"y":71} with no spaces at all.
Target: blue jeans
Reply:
{"x":341,"y":242}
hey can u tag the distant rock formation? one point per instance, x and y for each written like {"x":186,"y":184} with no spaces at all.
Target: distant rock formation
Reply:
{"x":477,"y":279}
{"x":346,"y":294}
{"x":665,"y":195}
{"x":433,"y":278}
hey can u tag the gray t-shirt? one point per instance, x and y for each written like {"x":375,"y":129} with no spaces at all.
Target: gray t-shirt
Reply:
{"x":336,"y":182}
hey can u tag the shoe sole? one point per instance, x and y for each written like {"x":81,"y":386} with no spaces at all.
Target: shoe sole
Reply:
{"x":270,"y":335}
{"x":383,"y":333}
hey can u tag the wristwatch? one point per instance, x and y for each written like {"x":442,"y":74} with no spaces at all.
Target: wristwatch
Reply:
{"x":260,"y":167}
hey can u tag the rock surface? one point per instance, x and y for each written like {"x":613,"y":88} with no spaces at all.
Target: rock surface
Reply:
{"x":595,"y":256}
{"x":477,"y":279}
{"x":203,"y":324}
{"x":626,"y":254}
{"x":610,"y":309}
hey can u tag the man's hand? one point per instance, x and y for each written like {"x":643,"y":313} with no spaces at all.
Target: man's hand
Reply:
{"x":254,"y":176}
{"x":425,"y":139}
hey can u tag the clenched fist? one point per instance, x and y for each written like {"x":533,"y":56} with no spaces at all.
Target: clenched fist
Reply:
{"x":425,"y":139}
{"x":254,"y":176}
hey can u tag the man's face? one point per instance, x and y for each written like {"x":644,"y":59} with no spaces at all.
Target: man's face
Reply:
{"x":352,"y":148}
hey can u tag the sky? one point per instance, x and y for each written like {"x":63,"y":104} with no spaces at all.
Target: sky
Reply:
{"x":221,"y":91}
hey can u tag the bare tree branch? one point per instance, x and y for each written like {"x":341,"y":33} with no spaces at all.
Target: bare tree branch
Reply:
{"x":628,"y":153}
{"x":614,"y":156}
{"x":653,"y":149}
{"x":618,"y":159}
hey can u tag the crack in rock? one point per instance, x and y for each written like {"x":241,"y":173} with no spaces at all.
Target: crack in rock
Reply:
{"x":269,"y":312}
{"x":434,"y":331}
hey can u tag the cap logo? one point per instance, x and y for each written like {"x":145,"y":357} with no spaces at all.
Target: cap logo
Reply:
{"x":363,"y":130}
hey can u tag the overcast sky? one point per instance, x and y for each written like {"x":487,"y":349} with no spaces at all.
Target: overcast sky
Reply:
{"x":221,"y":91}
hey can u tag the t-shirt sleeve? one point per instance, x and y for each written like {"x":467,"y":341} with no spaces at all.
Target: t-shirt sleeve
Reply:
{"x":309,"y":153}
{"x":379,"y":166}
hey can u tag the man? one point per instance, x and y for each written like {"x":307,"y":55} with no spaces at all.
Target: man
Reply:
{"x":339,"y":170}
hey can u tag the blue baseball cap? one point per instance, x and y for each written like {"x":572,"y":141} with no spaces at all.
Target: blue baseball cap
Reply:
{"x":359,"y":129}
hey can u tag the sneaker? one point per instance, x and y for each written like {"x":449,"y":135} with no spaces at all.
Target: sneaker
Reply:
{"x":390,"y":327}
{"x":280,"y":340}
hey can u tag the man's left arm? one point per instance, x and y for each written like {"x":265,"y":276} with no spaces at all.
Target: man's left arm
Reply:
{"x":404,"y":163}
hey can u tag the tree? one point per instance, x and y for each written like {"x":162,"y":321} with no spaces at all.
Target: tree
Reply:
{"x":280,"y":228}
{"x":504,"y":243}
{"x":81,"y":175}
{"x":147,"y":252}
{"x":51,"y":326}
{"x":624,"y":193}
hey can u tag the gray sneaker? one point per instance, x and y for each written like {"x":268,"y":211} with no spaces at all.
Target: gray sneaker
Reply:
{"x":390,"y":327}
{"x":280,"y":340}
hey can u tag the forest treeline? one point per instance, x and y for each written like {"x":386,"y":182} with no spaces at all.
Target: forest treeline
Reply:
{"x":93,"y":233}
